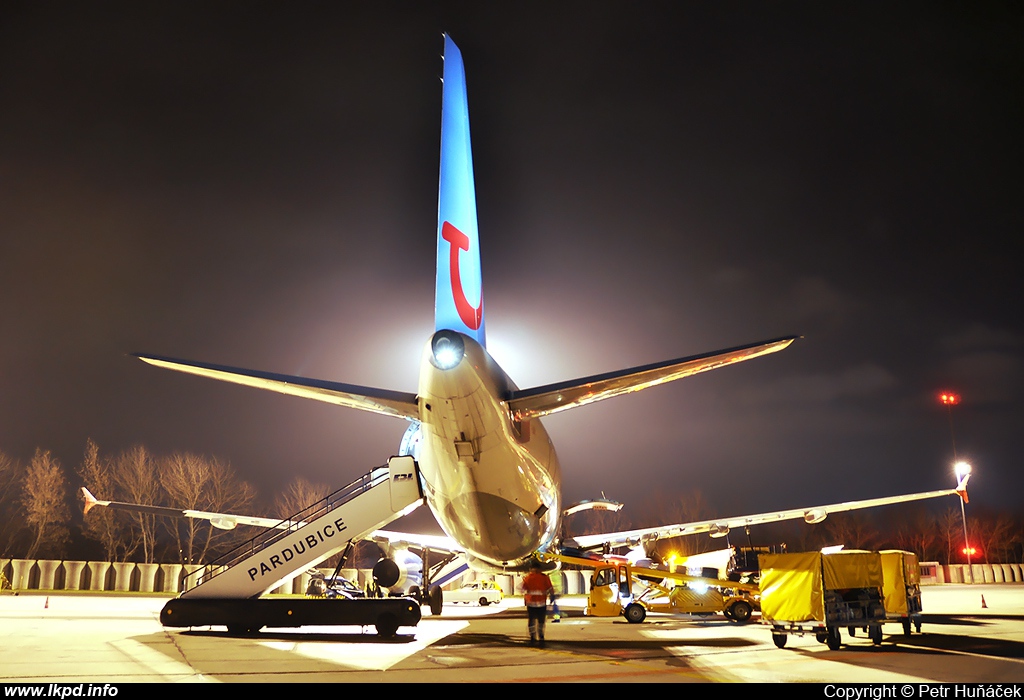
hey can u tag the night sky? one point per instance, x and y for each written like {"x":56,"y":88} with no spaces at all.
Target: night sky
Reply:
{"x":255,"y":184}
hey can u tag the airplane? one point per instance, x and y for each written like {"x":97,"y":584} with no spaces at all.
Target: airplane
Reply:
{"x":488,"y":468}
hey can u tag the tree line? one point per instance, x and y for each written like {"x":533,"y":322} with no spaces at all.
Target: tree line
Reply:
{"x":36,"y":505}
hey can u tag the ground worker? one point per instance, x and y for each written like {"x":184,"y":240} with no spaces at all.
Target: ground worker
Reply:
{"x":536,"y":589}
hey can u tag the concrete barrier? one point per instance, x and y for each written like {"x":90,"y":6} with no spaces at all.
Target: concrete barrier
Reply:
{"x":21,"y":569}
{"x":1018,"y":575}
{"x":997,"y":573}
{"x":147,"y":577}
{"x":73,"y":575}
{"x":123,"y":575}
{"x":47,"y":573}
{"x":172,"y":578}
{"x":98,"y":569}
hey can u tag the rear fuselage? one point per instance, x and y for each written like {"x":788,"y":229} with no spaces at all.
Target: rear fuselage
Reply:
{"x":492,"y":483}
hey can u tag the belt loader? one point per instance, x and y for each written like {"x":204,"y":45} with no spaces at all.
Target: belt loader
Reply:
{"x":611,"y":592}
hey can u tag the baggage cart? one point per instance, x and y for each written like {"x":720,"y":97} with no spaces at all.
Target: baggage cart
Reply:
{"x":815,"y":593}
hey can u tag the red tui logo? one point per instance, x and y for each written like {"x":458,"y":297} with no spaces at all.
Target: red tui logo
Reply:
{"x":470,"y":315}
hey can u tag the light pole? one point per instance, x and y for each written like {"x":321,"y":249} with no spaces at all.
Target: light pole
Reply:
{"x":962,"y":469}
{"x":949,"y":399}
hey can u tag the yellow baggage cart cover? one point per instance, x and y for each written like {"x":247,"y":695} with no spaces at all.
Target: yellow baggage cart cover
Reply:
{"x":900,"y":570}
{"x":791,"y":587}
{"x":852,"y":569}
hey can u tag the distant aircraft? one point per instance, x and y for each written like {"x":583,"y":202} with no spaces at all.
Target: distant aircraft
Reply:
{"x":488,"y":469}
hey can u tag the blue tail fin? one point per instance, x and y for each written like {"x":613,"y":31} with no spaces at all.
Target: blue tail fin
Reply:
{"x":458,"y":299}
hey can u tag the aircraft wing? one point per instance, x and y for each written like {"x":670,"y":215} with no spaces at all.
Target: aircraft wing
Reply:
{"x":384,"y":401}
{"x":228,"y":521}
{"x":722,"y":526}
{"x":552,"y":398}
{"x":223,"y":521}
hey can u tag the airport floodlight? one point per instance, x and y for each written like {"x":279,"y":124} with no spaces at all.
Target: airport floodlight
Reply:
{"x":948,"y":398}
{"x":961,"y":469}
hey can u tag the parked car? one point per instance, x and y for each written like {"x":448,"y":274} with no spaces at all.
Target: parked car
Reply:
{"x":482,"y":592}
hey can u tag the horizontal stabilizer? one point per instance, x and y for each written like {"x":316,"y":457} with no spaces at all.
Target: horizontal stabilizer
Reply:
{"x":383,"y":401}
{"x":543,"y":400}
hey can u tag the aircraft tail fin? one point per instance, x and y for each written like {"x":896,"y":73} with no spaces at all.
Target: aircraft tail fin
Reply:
{"x":458,"y":300}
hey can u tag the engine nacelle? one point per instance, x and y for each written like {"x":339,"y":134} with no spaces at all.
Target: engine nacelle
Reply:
{"x":400,"y":572}
{"x":812,"y":517}
{"x":718,"y":530}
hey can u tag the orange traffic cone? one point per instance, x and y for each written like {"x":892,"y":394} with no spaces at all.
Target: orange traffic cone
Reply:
{"x":46,"y":605}
{"x":983,"y":604}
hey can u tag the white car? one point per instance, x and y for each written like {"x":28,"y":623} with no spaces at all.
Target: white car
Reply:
{"x":482,"y":592}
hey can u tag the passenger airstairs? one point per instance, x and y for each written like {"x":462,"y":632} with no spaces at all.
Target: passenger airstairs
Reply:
{"x":310,"y":536}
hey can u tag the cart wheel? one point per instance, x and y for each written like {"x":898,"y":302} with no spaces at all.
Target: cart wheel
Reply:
{"x":821,"y":637}
{"x":484,"y":602}
{"x":833,"y":640}
{"x":852,"y":631}
{"x":906,"y":627}
{"x":635,"y":613}
{"x":918,"y":626}
{"x":779,"y":639}
{"x":387,"y":625}
{"x":741,"y":611}
{"x":876,"y":634}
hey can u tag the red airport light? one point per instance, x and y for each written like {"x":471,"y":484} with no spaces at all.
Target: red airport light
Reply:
{"x":948,"y":398}
{"x":969,"y":550}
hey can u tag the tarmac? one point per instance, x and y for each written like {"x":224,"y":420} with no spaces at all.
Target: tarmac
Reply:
{"x":67,"y":638}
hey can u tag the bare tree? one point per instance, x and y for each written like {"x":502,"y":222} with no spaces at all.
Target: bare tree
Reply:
{"x":917,"y":532}
{"x":135,"y":479}
{"x":110,"y":528}
{"x":44,"y":497}
{"x":853,"y":529}
{"x":951,"y":533}
{"x":199,"y":483}
{"x":994,"y":533}
{"x":299,"y":495}
{"x":11,"y":518}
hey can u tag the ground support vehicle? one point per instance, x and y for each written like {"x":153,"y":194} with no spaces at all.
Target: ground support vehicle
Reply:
{"x":815,"y":593}
{"x":901,"y":587}
{"x":613,"y":584}
{"x":251,"y":615}
{"x":482,"y":592}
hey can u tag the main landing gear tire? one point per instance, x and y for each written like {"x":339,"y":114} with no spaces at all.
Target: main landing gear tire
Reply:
{"x":436,"y":600}
{"x":740,"y":611}
{"x":779,"y":639}
{"x":635,"y":613}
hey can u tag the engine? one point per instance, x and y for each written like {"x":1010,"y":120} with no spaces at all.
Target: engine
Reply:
{"x":815,"y":516}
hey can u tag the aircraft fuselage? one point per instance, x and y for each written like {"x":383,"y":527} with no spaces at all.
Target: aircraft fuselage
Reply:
{"x":492,"y":483}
